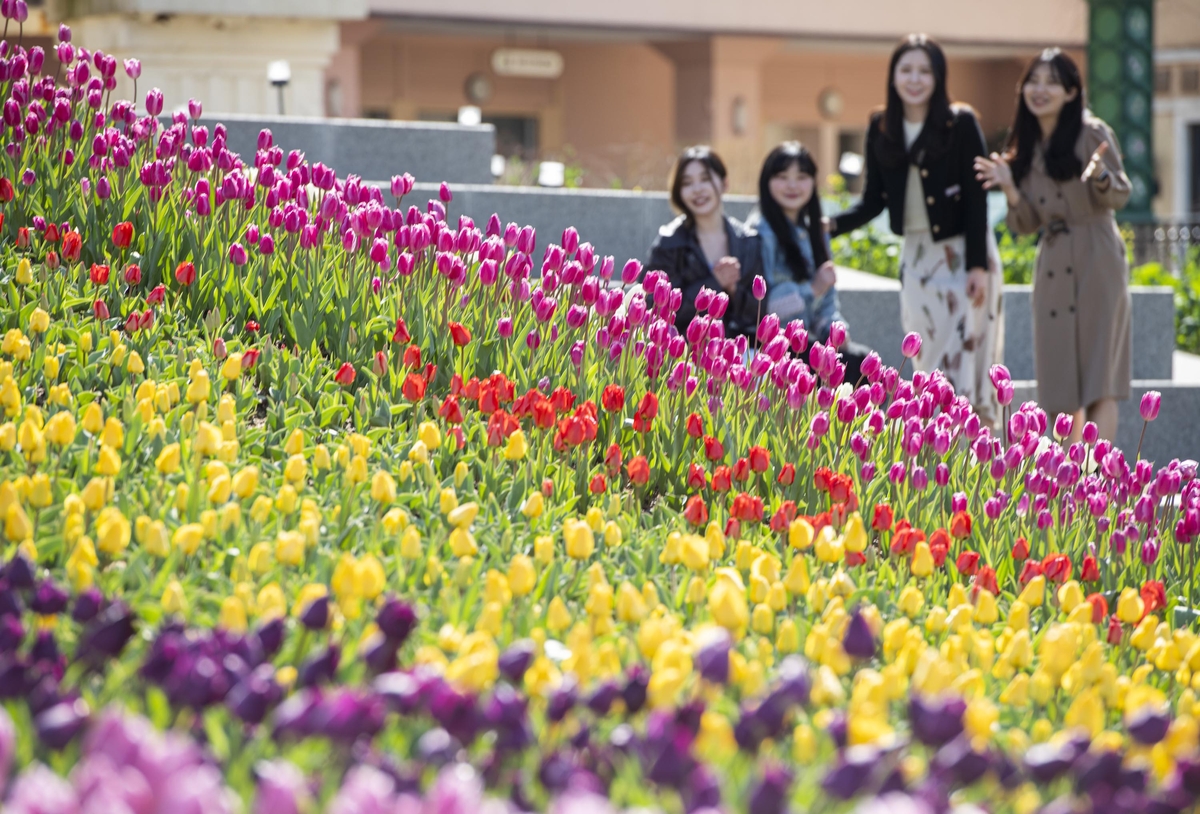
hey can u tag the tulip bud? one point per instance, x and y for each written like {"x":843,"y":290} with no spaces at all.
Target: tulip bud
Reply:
{"x":759,"y":287}
{"x":911,"y":345}
{"x":1151,"y":403}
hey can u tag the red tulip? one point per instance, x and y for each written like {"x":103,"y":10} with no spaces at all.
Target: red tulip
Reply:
{"x":1020,"y":549}
{"x":459,"y":334}
{"x":1090,"y":570}
{"x":100,"y":310}
{"x":72,"y":245}
{"x":613,"y":398}
{"x":905,"y":539}
{"x":747,"y":508}
{"x":1099,"y":608}
{"x":250,"y":359}
{"x":450,"y":410}
{"x":643,"y":418}
{"x":967,"y":563}
{"x":252,"y":326}
{"x":612,"y":459}
{"x":841,"y":487}
{"x":854,"y":558}
{"x":379,"y":363}
{"x":157,"y":295}
{"x":345,"y":374}
{"x":146,"y":322}
{"x":722,"y":479}
{"x":23,"y":237}
{"x":741,"y":470}
{"x":52,"y":260}
{"x":562,"y":399}
{"x":787,"y":475}
{"x":401,"y":333}
{"x":460,"y":438}
{"x":939,"y":546}
{"x":50,"y":235}
{"x":132,"y":322}
{"x":7,"y":192}
{"x":783,"y":517}
{"x":1032,"y":569}
{"x":413,"y":388}
{"x":1114,"y":626}
{"x":219,"y":349}
{"x":547,"y":487}
{"x":733,"y":529}
{"x":760,"y":459}
{"x":697,"y":478}
{"x":695,"y":426}
{"x":122,"y":234}
{"x":185,"y":273}
{"x":412,"y":357}
{"x":598,"y":484}
{"x":1057,"y":567}
{"x":822,"y":478}
{"x":960,"y":525}
{"x":986,"y":579}
{"x":638,"y":470}
{"x":133,"y":274}
{"x":98,"y":274}
{"x":714,"y":450}
{"x":1154,"y":594}
{"x":696,"y":511}
{"x":881,"y":520}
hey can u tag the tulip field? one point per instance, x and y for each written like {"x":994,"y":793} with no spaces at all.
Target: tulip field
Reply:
{"x":313,"y":500}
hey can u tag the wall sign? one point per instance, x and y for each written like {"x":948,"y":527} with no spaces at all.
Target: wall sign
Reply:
{"x":527,"y":62}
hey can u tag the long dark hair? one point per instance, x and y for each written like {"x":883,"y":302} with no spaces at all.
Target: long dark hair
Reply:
{"x":891,"y":149}
{"x":779,"y":160}
{"x":1061,"y":161}
{"x":711,"y":161}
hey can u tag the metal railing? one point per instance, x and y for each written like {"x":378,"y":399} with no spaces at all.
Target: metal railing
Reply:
{"x":1171,"y":244}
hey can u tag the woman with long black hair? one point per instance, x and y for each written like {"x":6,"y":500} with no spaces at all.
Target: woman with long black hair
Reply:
{"x":920,"y":155}
{"x":704,"y":247}
{"x":801,"y":280}
{"x":1062,"y":175}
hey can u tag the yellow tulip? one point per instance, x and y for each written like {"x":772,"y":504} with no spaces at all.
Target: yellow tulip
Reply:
{"x":533,"y":505}
{"x":463,"y":516}
{"x":1034,"y":592}
{"x":855,"y":534}
{"x":580,"y":540}
{"x":517,"y":447}
{"x":188,"y":537}
{"x":429,"y":433}
{"x":383,"y":488}
{"x":1130,"y":607}
{"x":173,"y":600}
{"x":24,"y":271}
{"x":922,"y":560}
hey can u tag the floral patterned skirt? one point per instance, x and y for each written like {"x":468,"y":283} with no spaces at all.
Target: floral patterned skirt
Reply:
{"x":959,"y":339}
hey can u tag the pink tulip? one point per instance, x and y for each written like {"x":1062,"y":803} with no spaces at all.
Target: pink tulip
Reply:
{"x":837,"y":334}
{"x":911,"y":346}
{"x":759,"y":287}
{"x":133,"y":68}
{"x":1151,"y":404}
{"x":237,"y":254}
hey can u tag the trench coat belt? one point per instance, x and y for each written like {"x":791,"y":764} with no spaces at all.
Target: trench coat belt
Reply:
{"x":1060,"y":226}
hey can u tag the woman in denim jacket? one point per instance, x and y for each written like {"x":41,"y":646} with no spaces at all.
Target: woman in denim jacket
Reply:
{"x":801,"y":280}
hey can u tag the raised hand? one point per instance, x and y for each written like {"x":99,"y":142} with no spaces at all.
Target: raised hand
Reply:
{"x":728,"y":271}
{"x":1096,"y":166}
{"x":994,"y":173}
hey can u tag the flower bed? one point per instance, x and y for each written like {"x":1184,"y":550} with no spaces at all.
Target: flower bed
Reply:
{"x":312,"y":499}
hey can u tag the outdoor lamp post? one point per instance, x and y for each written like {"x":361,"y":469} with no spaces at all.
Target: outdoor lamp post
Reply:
{"x":279,"y":73}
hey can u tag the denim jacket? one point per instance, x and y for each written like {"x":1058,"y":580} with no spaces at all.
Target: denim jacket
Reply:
{"x":791,"y":295}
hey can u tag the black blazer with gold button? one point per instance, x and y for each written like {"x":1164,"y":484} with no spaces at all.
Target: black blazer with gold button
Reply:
{"x":955,"y":202}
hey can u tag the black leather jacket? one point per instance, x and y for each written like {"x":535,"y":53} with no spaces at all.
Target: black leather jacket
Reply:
{"x":677,"y":251}
{"x":955,"y":202}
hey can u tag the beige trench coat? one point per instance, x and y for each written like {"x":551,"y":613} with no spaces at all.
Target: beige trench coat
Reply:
{"x":1081,"y":311}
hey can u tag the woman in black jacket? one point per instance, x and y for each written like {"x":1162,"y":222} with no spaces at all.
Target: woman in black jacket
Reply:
{"x":705,"y":248}
{"x":920,"y":155}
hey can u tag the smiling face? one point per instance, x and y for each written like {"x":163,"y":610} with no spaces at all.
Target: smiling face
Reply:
{"x":700,"y":189}
{"x":914,"y":79}
{"x":791,"y":189}
{"x":1044,"y":93}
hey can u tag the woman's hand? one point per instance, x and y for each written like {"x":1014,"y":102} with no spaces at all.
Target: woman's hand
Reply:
{"x":728,"y":271}
{"x":994,"y":172}
{"x":827,"y":225}
{"x":1096,"y":167}
{"x":977,"y":285}
{"x":824,"y":279}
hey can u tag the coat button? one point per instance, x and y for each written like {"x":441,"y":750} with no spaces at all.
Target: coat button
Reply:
{"x":924,"y":173}
{"x":1053,"y":314}
{"x":1072,"y":309}
{"x":883,"y":195}
{"x":1068,"y":269}
{"x":936,"y":228}
{"x":1049,"y":273}
{"x":929,"y":200}
{"x":1043,"y":200}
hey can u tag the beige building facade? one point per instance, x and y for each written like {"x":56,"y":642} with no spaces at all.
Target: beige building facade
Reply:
{"x":614,"y":89}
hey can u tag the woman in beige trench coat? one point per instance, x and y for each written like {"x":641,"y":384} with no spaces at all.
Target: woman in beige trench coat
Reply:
{"x":1067,"y":186}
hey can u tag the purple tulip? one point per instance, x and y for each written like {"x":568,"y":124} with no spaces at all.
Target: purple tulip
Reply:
{"x":107,"y":634}
{"x":937,"y":721}
{"x":712,"y":657}
{"x":316,"y":615}
{"x":515,"y":660}
{"x":237,"y":254}
{"x":396,"y":618}
{"x":1151,"y":403}
{"x":911,"y":345}
{"x":859,"y":641}
{"x":770,"y":796}
{"x":57,"y":726}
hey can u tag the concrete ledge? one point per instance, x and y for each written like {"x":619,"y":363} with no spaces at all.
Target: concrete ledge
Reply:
{"x":1174,"y":434}
{"x":372,"y":149}
{"x":874,"y":319}
{"x":617,"y":222}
